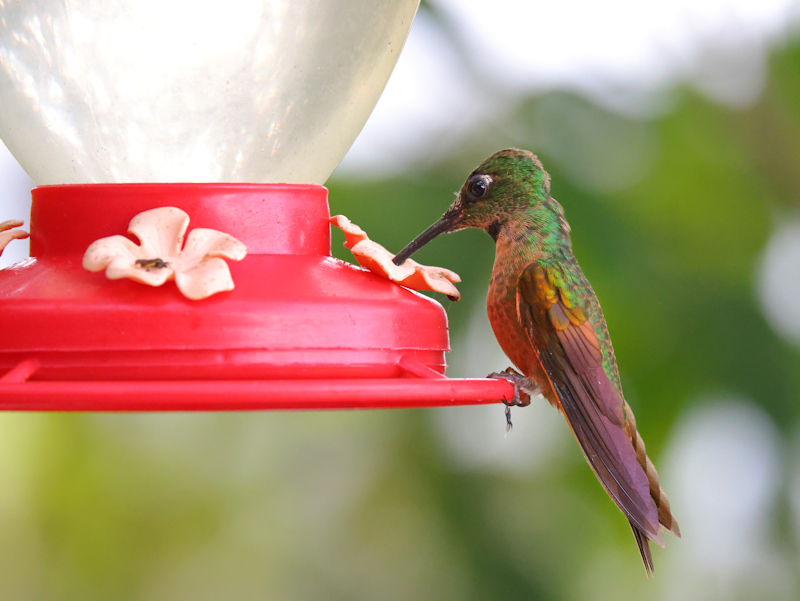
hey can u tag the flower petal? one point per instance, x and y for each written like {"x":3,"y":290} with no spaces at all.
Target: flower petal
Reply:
{"x":437,"y":272}
{"x":203,"y":242}
{"x":378,"y":260}
{"x":7,"y":234}
{"x":434,"y":279}
{"x":352,"y":233}
{"x":204,"y":279}
{"x":7,"y":225}
{"x":160,"y":231}
{"x":105,"y":250}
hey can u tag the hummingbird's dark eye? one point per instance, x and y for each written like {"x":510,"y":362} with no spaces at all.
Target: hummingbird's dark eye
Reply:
{"x":478,"y":187}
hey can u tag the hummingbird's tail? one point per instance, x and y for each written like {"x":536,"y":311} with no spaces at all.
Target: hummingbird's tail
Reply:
{"x":665,"y":517}
{"x":644,"y":549}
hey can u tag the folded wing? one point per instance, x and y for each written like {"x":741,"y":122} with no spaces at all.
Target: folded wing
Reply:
{"x":570,"y":353}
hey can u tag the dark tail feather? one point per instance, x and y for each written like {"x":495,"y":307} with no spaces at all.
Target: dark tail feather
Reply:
{"x":644,"y":549}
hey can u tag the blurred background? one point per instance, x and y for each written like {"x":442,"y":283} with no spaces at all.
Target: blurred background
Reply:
{"x":672,"y":135}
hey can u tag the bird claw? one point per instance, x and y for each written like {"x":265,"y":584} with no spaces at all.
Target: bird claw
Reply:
{"x":524,"y":388}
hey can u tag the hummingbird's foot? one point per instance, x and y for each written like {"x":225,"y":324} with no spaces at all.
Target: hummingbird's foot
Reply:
{"x":524,"y":389}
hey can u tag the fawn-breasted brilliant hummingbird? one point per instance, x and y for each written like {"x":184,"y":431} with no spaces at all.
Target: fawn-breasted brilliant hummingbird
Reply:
{"x":548,"y":321}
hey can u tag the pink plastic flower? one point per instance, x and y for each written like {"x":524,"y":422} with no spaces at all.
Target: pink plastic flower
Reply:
{"x":378,"y":260}
{"x":7,"y":234}
{"x":197,"y":267}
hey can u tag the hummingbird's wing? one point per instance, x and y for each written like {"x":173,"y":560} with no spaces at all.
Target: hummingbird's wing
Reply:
{"x":570,"y":354}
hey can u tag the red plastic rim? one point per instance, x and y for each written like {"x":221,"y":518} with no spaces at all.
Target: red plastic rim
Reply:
{"x":414,"y":389}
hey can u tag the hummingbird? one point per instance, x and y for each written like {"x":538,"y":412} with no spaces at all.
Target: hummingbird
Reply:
{"x":549,"y":323}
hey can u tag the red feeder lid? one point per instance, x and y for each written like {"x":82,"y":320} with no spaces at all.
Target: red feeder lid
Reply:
{"x":301,"y":329}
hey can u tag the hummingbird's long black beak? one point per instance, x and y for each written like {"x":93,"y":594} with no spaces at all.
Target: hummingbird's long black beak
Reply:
{"x":445,"y":224}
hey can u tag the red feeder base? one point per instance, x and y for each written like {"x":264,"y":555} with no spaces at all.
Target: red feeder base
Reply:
{"x":301,"y":330}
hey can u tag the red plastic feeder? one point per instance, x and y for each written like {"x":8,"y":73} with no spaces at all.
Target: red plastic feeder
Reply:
{"x":301,"y":330}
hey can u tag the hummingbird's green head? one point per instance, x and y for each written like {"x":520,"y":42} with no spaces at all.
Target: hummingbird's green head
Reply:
{"x":508,"y":184}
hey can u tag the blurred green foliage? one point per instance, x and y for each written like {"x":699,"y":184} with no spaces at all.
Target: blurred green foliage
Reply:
{"x":670,"y":216}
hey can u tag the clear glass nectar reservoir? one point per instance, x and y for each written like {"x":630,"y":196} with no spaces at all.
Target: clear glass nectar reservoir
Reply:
{"x":124,"y":91}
